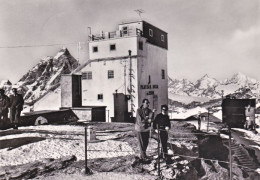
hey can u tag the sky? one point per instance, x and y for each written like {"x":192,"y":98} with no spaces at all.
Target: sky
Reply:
{"x":214,"y":37}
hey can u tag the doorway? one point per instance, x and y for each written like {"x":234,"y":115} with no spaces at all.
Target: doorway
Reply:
{"x":121,"y":113}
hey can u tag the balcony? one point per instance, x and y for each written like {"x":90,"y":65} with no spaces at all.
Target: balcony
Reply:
{"x":115,"y":34}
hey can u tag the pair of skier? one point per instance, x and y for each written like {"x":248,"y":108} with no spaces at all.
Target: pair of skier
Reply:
{"x":144,"y":124}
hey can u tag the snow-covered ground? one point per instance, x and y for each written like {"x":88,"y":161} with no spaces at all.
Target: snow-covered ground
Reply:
{"x":187,"y":99}
{"x":182,"y":113}
{"x":204,"y":125}
{"x":56,"y":145}
{"x":59,"y":141}
{"x":250,"y":135}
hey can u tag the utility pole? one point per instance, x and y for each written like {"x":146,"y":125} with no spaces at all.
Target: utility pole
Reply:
{"x":90,"y":35}
{"x":79,"y":47}
{"x":125,"y":76}
{"x":130,"y":79}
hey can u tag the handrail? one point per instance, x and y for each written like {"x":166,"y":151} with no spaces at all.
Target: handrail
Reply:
{"x":115,"y":34}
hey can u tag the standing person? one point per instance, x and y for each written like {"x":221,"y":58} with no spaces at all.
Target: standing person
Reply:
{"x":4,"y":104}
{"x":162,"y":123}
{"x":144,"y":117}
{"x":199,"y":120}
{"x":16,"y":106}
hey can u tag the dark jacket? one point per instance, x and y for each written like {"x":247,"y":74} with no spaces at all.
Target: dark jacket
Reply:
{"x":4,"y":104}
{"x":162,"y":121}
{"x":142,"y":117}
{"x":16,"y":101}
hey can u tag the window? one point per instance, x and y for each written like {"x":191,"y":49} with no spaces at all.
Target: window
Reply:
{"x":95,"y":49}
{"x":100,"y":96}
{"x":151,"y":32}
{"x":163,"y":74}
{"x":112,"y":47}
{"x":125,"y":30}
{"x":87,"y":75}
{"x":162,"y":38}
{"x":110,"y":74}
{"x":140,"y":45}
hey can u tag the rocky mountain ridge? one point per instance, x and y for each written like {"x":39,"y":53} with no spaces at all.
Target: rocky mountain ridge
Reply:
{"x":44,"y":76}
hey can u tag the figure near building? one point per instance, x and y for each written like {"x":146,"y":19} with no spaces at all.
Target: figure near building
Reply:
{"x":16,"y":106}
{"x":199,"y":120}
{"x":4,"y":105}
{"x":144,"y":118}
{"x":162,"y":125}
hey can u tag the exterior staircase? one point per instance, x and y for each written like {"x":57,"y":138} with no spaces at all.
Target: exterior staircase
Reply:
{"x":242,"y":157}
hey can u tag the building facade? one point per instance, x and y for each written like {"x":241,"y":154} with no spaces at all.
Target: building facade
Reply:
{"x":124,"y":67}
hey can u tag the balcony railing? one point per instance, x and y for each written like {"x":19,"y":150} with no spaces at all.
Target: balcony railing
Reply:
{"x":115,"y":34}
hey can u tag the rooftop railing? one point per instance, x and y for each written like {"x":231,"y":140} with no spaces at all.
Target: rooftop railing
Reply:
{"x":115,"y":34}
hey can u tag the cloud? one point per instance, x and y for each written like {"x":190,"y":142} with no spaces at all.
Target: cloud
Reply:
{"x":249,"y":34}
{"x":246,"y":43}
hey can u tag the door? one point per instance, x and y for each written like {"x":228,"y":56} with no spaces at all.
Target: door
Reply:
{"x":120,"y":108}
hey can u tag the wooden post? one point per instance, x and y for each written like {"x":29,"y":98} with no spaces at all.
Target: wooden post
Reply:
{"x":158,"y":162}
{"x":208,"y":122}
{"x":87,"y":170}
{"x":108,"y":116}
{"x":230,"y":155}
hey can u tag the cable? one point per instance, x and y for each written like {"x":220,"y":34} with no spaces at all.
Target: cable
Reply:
{"x":41,"y":45}
{"x":119,"y":87}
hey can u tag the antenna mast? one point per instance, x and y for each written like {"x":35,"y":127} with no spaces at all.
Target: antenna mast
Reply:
{"x":78,"y":47}
{"x":139,"y":12}
{"x":131,"y":85}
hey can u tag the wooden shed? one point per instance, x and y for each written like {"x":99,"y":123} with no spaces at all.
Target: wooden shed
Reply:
{"x":234,"y":111}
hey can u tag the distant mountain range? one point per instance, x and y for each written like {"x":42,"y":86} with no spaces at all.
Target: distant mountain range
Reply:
{"x":207,"y":88}
{"x":44,"y":76}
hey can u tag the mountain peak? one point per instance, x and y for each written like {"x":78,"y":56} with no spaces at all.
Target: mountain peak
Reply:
{"x":205,"y":76}
{"x":239,"y":78}
{"x":63,"y":51}
{"x":206,"y":81}
{"x":46,"y":74}
{"x":5,"y":82}
{"x":239,"y":75}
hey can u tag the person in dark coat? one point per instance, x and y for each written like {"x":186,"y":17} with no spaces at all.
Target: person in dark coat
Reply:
{"x":16,"y":106}
{"x":144,"y":118}
{"x":4,"y":105}
{"x":199,"y":120}
{"x":162,"y":125}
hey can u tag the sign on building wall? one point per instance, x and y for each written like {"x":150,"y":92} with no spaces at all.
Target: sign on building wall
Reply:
{"x":155,"y":86}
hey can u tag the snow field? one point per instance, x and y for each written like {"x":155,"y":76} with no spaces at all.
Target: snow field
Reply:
{"x":59,"y":145}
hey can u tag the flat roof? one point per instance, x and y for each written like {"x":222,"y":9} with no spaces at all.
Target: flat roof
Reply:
{"x":130,"y":22}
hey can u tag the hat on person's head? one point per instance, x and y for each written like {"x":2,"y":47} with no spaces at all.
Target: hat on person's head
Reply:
{"x":146,"y":100}
{"x":164,"y":107}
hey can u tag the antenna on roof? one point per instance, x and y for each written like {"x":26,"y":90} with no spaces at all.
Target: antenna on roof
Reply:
{"x":139,"y":12}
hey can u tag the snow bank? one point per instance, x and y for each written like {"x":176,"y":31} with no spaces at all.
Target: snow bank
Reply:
{"x":250,"y":135}
{"x":184,"y":113}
